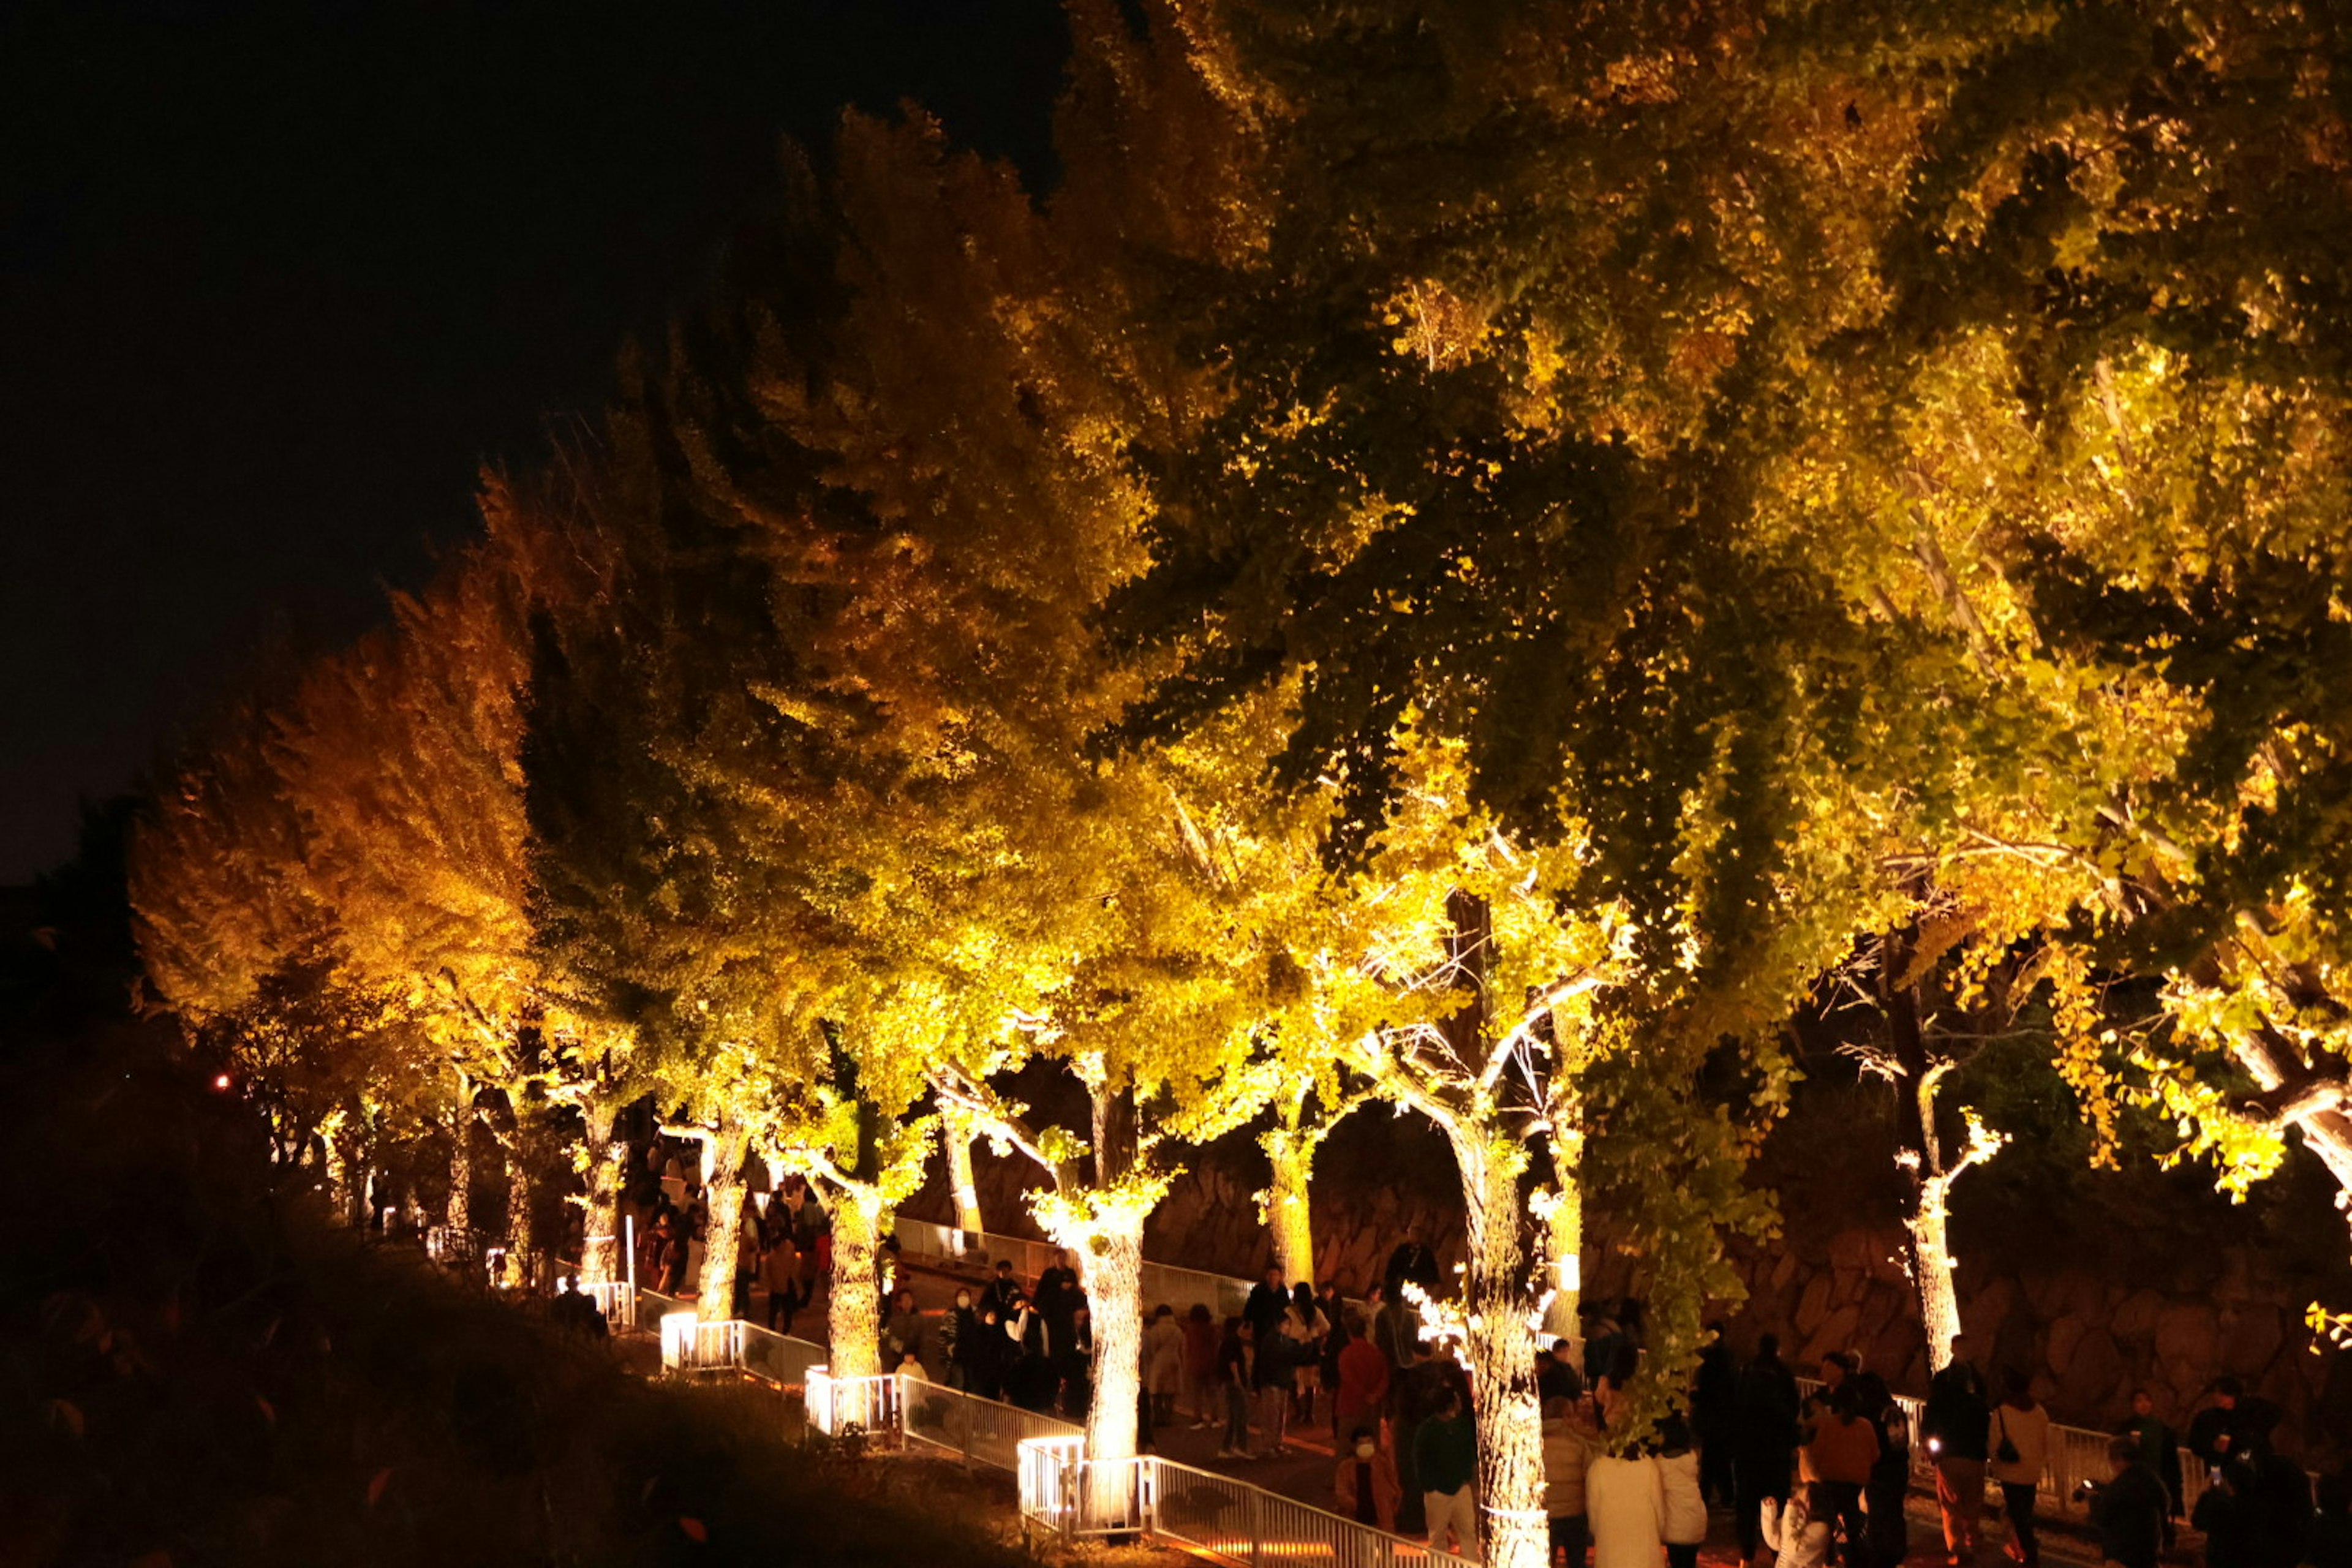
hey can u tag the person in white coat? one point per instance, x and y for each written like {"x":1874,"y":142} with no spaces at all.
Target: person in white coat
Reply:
{"x":1625,"y":1503}
{"x":1683,"y":1522}
{"x":1796,"y":1540}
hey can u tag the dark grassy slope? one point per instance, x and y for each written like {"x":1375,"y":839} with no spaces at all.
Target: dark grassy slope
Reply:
{"x":196,"y":1369}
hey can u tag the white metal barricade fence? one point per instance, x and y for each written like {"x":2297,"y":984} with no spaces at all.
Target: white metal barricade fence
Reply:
{"x":979,"y":1431}
{"x":836,"y":1404}
{"x":617,"y":1300}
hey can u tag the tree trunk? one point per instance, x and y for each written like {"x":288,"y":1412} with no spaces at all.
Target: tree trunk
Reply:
{"x":1111,"y":1266}
{"x":522,"y":1221}
{"x":853,"y":1318}
{"x":1919,"y":1154}
{"x":600,"y":1236}
{"x":1502,"y":1357}
{"x":336,"y":1161}
{"x":1286,"y":1215}
{"x":1564,"y":1235}
{"x":714,"y":1301}
{"x":955,"y":1130}
{"x":457,"y":1213}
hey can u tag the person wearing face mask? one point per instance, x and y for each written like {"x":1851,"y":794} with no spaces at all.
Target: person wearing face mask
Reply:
{"x":956,"y":1331}
{"x":1367,"y":1483}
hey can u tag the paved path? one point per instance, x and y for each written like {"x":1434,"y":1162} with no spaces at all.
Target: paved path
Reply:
{"x":1305,"y":1471}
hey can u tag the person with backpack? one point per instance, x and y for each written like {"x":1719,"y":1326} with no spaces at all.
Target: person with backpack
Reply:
{"x":1957,"y":1424}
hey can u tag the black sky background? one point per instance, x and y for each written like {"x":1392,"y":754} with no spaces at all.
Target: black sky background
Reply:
{"x":276,"y":280}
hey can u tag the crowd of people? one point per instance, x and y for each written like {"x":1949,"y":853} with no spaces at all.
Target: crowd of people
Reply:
{"x":1813,"y":1480}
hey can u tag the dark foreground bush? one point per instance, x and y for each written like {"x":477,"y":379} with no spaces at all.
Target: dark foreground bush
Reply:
{"x":195,"y":1368}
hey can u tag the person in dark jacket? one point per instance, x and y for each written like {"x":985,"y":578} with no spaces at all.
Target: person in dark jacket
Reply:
{"x":2282,"y":1508}
{"x":2331,"y":1526}
{"x":2225,"y":1517}
{"x":1764,"y":1441}
{"x":2159,"y":1450}
{"x":1411,"y":1260}
{"x":2131,"y":1512}
{"x":1001,"y":1292}
{"x":2233,"y":1425}
{"x":1269,"y":1301}
{"x":1714,"y":1416}
{"x":1890,"y":1474}
{"x":1958,"y":1425}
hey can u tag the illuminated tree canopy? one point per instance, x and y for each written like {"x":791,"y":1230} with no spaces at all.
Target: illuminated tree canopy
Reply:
{"x":1474,"y":559}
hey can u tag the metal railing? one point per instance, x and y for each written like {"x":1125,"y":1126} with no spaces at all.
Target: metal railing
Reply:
{"x":836,"y":1404}
{"x":1067,"y":1495}
{"x":617,"y":1300}
{"x":1179,"y":1288}
{"x":979,"y":1431}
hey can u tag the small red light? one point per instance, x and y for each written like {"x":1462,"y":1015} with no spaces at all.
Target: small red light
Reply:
{"x":220,"y":1080}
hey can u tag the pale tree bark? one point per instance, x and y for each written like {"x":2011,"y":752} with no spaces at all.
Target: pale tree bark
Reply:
{"x":335,"y":1165}
{"x":1110,"y":1266}
{"x":600,"y":1245}
{"x":723,"y":1191}
{"x":1097,"y":1218}
{"x":457,"y":1213}
{"x":1929,"y":1168}
{"x":957,"y":1133}
{"x":853,"y":1317}
{"x":1564,"y":1234}
{"x":1502,"y":1354}
{"x":1291,"y":1157}
{"x":522,"y":1220}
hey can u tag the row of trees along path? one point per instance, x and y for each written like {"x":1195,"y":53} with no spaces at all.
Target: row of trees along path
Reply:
{"x":1483,"y":562}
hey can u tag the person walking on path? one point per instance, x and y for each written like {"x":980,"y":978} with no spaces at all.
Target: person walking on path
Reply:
{"x":2020,"y":1450}
{"x":1445,"y":1458}
{"x":1362,"y":1386}
{"x":1365,"y":1484}
{"x":1890,"y":1478}
{"x":1416,"y":1394}
{"x":1307,"y":1329}
{"x":2132,"y":1513}
{"x":1570,"y":1442}
{"x":1956,"y":1423}
{"x":1234,"y":1358}
{"x":1625,"y":1499}
{"x":1715,"y":1414}
{"x":1682,"y":1521}
{"x":1396,"y":1331}
{"x":1200,"y":1344}
{"x":1271,"y":1379}
{"x":1764,"y":1441}
{"x":1842,"y":1449}
{"x":1163,"y":1364}
{"x":957,"y":1327}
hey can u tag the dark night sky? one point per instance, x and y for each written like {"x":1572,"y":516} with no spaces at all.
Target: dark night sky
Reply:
{"x":276,"y":280}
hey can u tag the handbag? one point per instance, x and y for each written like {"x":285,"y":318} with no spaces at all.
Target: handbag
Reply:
{"x":2006,"y":1452}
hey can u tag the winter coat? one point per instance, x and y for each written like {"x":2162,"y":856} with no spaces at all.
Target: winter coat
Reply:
{"x":2027,"y":1430}
{"x":1624,"y":1500}
{"x":1163,"y":1357}
{"x":1363,"y":1384}
{"x":1387,"y":1490}
{"x":1797,"y":1539}
{"x":1842,"y":1451}
{"x":1567,"y":1452}
{"x":1200,"y":1342}
{"x":1684,"y":1521}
